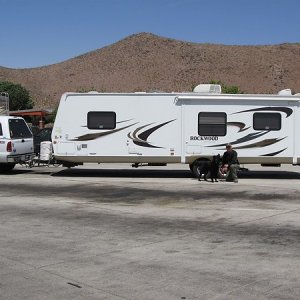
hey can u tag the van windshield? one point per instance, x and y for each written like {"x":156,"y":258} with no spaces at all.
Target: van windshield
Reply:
{"x":18,"y":129}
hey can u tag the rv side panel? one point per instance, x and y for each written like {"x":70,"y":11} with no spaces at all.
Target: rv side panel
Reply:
{"x":118,"y":128}
{"x":172,"y":128}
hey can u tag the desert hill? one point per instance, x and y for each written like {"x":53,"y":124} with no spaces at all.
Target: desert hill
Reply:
{"x":145,"y":62}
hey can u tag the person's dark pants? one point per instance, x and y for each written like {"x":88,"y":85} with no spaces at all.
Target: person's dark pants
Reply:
{"x":232,"y":172}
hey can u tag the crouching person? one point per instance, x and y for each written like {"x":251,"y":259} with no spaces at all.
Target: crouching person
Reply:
{"x":230,"y":161}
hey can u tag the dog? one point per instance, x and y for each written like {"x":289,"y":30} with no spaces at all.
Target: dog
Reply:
{"x":215,"y":167}
{"x":203,"y":170}
{"x":211,"y":167}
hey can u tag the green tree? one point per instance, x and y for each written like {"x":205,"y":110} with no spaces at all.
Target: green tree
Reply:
{"x":19,"y":97}
{"x":52,"y":116}
{"x":227,"y":89}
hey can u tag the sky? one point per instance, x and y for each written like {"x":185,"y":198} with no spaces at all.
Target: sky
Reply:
{"x":41,"y":32}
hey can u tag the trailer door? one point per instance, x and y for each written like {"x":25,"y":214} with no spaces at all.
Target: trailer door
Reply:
{"x":191,"y":143}
{"x":204,"y":125}
{"x":296,"y":139}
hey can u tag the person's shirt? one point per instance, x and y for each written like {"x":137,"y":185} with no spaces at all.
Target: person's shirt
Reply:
{"x":230,"y":158}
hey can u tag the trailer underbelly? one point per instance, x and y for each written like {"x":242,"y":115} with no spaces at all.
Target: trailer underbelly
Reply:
{"x":169,"y":160}
{"x":119,"y":159}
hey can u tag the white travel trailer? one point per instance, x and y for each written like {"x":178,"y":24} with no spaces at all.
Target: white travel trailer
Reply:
{"x":16,"y":142}
{"x":189,"y":128}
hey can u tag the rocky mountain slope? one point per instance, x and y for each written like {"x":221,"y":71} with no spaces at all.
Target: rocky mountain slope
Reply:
{"x":145,"y":62}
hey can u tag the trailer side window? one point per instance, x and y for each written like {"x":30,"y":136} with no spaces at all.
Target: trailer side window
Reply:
{"x":267,"y":121}
{"x":212,"y":123}
{"x":1,"y":132}
{"x":101,"y":120}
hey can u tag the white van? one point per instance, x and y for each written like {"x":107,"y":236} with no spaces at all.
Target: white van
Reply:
{"x":16,"y":141}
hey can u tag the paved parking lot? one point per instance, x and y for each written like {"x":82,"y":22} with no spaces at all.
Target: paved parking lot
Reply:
{"x":98,"y":232}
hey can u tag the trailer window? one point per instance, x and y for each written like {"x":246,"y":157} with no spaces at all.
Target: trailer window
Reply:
{"x":101,"y":120}
{"x":212,"y":123}
{"x":267,"y":121}
{"x":18,"y":129}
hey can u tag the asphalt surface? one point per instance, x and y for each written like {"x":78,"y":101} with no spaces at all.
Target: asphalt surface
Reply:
{"x":112,"y":232}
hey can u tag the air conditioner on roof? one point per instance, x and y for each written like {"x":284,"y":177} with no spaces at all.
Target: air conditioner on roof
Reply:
{"x":286,"y":92}
{"x":208,"y":89}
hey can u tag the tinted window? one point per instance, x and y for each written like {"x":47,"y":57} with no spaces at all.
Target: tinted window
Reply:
{"x":101,"y":120}
{"x":1,"y":132}
{"x":212,"y":123}
{"x":267,"y":121}
{"x":18,"y":129}
{"x":44,"y":134}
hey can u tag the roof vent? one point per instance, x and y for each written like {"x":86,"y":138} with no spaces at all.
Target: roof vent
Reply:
{"x":286,"y":92}
{"x":208,"y":89}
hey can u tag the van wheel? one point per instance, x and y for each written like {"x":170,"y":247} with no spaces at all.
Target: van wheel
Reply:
{"x":6,"y":167}
{"x":198,"y":166}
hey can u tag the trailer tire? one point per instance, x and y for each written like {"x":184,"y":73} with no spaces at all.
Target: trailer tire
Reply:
{"x":198,"y":166}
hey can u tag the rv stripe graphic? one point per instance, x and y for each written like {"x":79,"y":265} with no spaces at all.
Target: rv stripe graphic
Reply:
{"x":240,"y":125}
{"x":141,"y":139}
{"x":124,"y":121}
{"x":134,"y":137}
{"x":138,"y":139}
{"x":244,"y":139}
{"x":274,"y":153}
{"x":260,"y":144}
{"x":286,"y":110}
{"x":93,"y":136}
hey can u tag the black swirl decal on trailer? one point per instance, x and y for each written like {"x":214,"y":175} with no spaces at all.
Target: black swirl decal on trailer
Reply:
{"x":274,"y":153}
{"x":260,"y":144}
{"x":140,"y":139}
{"x":134,"y":136}
{"x":93,"y":136}
{"x":124,"y":121}
{"x":240,"y":125}
{"x":286,"y":110}
{"x":249,"y":137}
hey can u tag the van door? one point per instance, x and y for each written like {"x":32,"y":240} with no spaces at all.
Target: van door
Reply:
{"x":21,"y":136}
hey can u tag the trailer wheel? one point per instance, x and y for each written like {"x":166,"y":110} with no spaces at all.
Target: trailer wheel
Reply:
{"x":198,"y":166}
{"x":6,"y":167}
